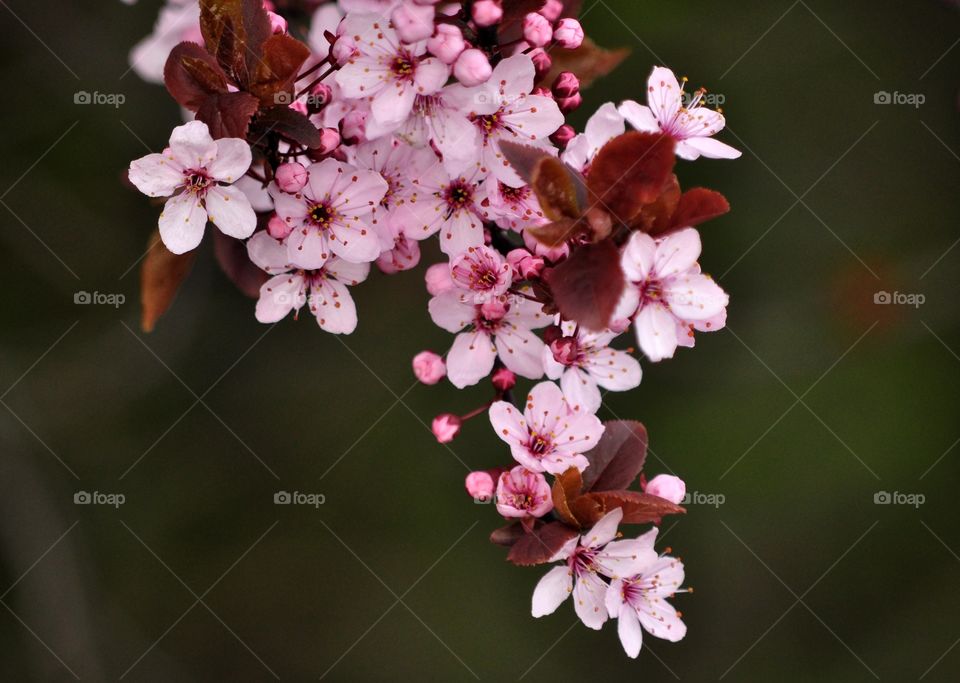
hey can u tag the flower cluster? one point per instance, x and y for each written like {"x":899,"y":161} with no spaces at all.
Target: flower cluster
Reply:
{"x":327,"y":138}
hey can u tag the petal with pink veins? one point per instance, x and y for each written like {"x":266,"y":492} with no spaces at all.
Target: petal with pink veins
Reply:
{"x":656,"y":332}
{"x":430,"y":76}
{"x":182,"y":222}
{"x":604,"y":531}
{"x":551,"y":591}
{"x":470,"y":358}
{"x":694,"y":296}
{"x":581,"y":390}
{"x":230,"y":210}
{"x":156,"y":175}
{"x":233,"y":160}
{"x":354,"y":241}
{"x":307,"y":248}
{"x":663,"y":95}
{"x":638,"y":257}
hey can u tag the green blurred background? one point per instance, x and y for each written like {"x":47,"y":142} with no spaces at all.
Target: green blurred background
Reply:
{"x":813,"y":401}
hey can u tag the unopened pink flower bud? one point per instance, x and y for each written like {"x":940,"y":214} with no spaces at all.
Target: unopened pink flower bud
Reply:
{"x":569,"y":104}
{"x":291,"y":177}
{"x":447,"y":44}
{"x":552,"y":10}
{"x":541,"y":62}
{"x":493,"y":310}
{"x":537,"y":29}
{"x":329,"y":140}
{"x":480,"y":485}
{"x":413,"y":22}
{"x":472,"y":67}
{"x":486,"y":12}
{"x":503,"y":380}
{"x":565,"y":350}
{"x":343,"y":50}
{"x":562,"y":136}
{"x":438,"y":279}
{"x":668,"y":487}
{"x":429,"y":367}
{"x":277,"y":23}
{"x":525,"y":265}
{"x":277,"y":228}
{"x":446,"y":427}
{"x":568,"y":34}
{"x":566,"y":84}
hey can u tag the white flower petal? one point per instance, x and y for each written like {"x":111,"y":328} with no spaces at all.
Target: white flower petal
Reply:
{"x":551,"y":591}
{"x":230,"y":210}
{"x":182,"y":222}
{"x":156,"y":175}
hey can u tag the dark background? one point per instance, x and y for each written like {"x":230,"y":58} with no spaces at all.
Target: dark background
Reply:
{"x":812,"y":401}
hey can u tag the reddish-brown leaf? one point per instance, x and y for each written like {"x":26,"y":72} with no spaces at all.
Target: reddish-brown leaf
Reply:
{"x":290,"y":124}
{"x":638,"y":508}
{"x":275,"y":73}
{"x":556,"y":233}
{"x":231,"y":254}
{"x":228,"y":115}
{"x":566,"y":488}
{"x":656,"y":217}
{"x":507,"y":535}
{"x":161,"y":274}
{"x":540,"y":545}
{"x":698,"y":205}
{"x":554,"y":186}
{"x":617,"y":459}
{"x":629,"y":172}
{"x":192,"y":76}
{"x":589,"y":62}
{"x":524,"y":160}
{"x":234,"y":32}
{"x":587,"y":286}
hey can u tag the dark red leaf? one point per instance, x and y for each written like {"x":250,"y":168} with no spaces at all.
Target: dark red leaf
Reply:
{"x":228,"y":115}
{"x":698,"y":205}
{"x":541,"y":545}
{"x":290,"y":124}
{"x":524,"y":160}
{"x":161,"y":275}
{"x":655,"y":218}
{"x":276,"y":72}
{"x":232,"y":256}
{"x":566,"y":488}
{"x":234,"y":32}
{"x":638,"y":508}
{"x":617,"y":459}
{"x":192,"y":76}
{"x":507,"y":535}
{"x":554,"y":186}
{"x":587,"y":286}
{"x":629,"y":172}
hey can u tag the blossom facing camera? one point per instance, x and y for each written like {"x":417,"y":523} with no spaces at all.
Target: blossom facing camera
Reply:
{"x":522,"y":493}
{"x":429,"y":367}
{"x":197,"y":173}
{"x":667,"y":486}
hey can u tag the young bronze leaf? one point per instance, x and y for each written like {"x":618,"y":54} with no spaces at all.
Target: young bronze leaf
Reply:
{"x":523,"y":158}
{"x":698,"y":205}
{"x":192,"y":76}
{"x":228,"y":115}
{"x":161,"y":274}
{"x":629,"y":172}
{"x":556,"y":233}
{"x":276,"y":72}
{"x":587,"y":286}
{"x":638,"y":508}
{"x":290,"y":124}
{"x":540,"y":545}
{"x":507,"y":535}
{"x":553,"y":183}
{"x":588,"y":62}
{"x":616,"y":460}
{"x":655,"y":218}
{"x":516,"y":10}
{"x":231,"y":254}
{"x":566,"y":488}
{"x":234,"y":32}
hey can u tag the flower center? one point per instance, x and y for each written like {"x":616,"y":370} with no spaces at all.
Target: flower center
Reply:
{"x":321,"y":215}
{"x":651,"y":291}
{"x":582,"y":561}
{"x":489,"y":123}
{"x":539,"y":444}
{"x":197,"y":181}
{"x":403,"y":65}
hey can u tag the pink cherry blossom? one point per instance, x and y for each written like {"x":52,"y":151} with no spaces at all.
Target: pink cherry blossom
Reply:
{"x":494,"y":330}
{"x":690,"y":124}
{"x":666,"y":293}
{"x":522,"y":493}
{"x":486,"y":12}
{"x":324,"y":288}
{"x":667,"y":486}
{"x":549,"y":435}
{"x":503,"y":109}
{"x":331,"y":213}
{"x":587,"y":558}
{"x":482,"y":273}
{"x":437,"y":279}
{"x":537,"y":29}
{"x":446,"y":204}
{"x":429,"y":367}
{"x":413,"y":22}
{"x":512,"y":208}
{"x":177,"y":22}
{"x":291,"y":177}
{"x":472,"y":67}
{"x":583,"y":362}
{"x":639,"y":600}
{"x":197,"y":173}
{"x":387,"y":72}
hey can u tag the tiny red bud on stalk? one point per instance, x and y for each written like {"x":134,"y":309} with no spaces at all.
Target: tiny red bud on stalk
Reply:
{"x":563,"y":135}
{"x":541,"y":62}
{"x":566,"y":84}
{"x":445,"y":427}
{"x":503,"y":380}
{"x":569,"y":104}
